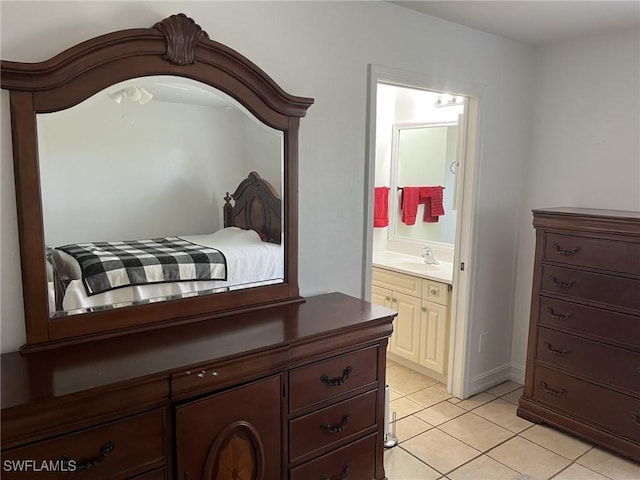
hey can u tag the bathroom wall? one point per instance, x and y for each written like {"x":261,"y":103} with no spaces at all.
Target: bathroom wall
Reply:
{"x":585,"y":147}
{"x":322,"y":50}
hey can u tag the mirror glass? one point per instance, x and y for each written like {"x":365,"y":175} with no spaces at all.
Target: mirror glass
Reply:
{"x":152,"y":158}
{"x":424,"y":156}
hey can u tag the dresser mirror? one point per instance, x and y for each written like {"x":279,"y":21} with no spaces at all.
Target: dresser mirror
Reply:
{"x":156,"y":183}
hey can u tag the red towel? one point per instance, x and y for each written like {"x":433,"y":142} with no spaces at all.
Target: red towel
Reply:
{"x":381,"y":207}
{"x":409,"y":204}
{"x":430,"y":197}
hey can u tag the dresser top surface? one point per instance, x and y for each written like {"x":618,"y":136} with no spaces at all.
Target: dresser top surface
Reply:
{"x":589,"y":212}
{"x":52,"y":373}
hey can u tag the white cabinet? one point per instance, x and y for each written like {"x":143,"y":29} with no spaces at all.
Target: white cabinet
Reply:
{"x":421,"y":329}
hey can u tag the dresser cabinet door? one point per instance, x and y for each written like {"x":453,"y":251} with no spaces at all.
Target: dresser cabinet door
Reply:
{"x":232,"y":435}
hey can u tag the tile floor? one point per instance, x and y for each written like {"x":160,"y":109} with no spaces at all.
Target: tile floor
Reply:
{"x":444,"y":438}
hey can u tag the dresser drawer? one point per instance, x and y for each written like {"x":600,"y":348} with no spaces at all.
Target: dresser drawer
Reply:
{"x":590,"y":321}
{"x":592,"y":287}
{"x":133,"y":445}
{"x":356,"y":460}
{"x":595,"y":405}
{"x":614,"y":255}
{"x":332,"y":377}
{"x":160,"y":474}
{"x":332,"y":424}
{"x":595,"y":360}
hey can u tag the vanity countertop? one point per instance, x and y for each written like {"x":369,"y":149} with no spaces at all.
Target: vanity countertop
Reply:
{"x":411,"y":265}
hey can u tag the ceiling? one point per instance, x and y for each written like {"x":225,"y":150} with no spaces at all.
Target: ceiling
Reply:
{"x":535,"y":22}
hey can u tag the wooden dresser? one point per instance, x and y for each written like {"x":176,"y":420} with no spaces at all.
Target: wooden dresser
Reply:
{"x":289,"y":392}
{"x":583,"y":359}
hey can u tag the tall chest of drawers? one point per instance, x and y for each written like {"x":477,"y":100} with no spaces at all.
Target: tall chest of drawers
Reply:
{"x":583,"y":358}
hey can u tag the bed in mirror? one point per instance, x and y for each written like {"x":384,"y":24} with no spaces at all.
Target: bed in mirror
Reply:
{"x":156,"y":183}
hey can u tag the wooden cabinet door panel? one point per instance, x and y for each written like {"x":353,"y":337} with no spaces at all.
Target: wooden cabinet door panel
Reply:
{"x":434,"y":337}
{"x":236,"y":432}
{"x":405,"y":339}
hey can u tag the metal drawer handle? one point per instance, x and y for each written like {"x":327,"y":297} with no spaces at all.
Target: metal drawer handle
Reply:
{"x":338,"y":428}
{"x":562,"y":284}
{"x":343,"y":475}
{"x":337,"y":381}
{"x":553,"y":351}
{"x":552,"y":391}
{"x":106,"y":449}
{"x":559,"y":316}
{"x":559,"y":249}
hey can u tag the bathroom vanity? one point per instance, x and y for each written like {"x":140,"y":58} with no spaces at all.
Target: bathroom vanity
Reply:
{"x":421,"y":294}
{"x":583,"y":358}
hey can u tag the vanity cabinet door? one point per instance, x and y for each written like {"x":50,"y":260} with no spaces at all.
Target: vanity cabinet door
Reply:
{"x":233,"y":434}
{"x":434,"y":336}
{"x":405,"y":341}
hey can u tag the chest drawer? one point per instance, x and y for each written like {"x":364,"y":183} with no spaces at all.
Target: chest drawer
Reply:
{"x":132,"y":445}
{"x":612,"y":411}
{"x":595,"y":360}
{"x":606,"y":254}
{"x":356,"y":460}
{"x":331,"y":425}
{"x":593,"y":287}
{"x":589,"y":321}
{"x":332,"y":377}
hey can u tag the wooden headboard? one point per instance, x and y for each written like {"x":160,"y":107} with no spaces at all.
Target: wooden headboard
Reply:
{"x":257,"y":206}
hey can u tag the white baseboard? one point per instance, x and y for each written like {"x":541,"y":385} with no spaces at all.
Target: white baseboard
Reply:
{"x":489,"y":379}
{"x":517,"y":374}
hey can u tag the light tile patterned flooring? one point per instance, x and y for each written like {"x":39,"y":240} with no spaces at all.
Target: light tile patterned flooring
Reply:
{"x":444,"y":438}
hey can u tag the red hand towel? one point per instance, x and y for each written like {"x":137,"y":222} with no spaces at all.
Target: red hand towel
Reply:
{"x":410,"y":200}
{"x":381,"y":207}
{"x":432,"y":197}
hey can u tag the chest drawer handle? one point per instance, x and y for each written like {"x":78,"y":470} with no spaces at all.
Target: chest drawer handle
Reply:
{"x":553,"y":351}
{"x":552,"y":391}
{"x":337,"y":381}
{"x":106,"y":449}
{"x":562,"y":284}
{"x":559,"y":249}
{"x":343,"y":475}
{"x":338,"y":428}
{"x":559,"y":316}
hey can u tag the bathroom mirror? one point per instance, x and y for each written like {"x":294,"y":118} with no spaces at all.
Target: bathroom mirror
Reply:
{"x":135,"y":167}
{"x":424,"y":155}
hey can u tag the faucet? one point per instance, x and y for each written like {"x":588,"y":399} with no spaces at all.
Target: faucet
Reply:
{"x":428,"y":257}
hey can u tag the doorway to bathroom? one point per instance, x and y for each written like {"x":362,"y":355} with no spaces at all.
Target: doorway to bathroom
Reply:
{"x":421,"y":153}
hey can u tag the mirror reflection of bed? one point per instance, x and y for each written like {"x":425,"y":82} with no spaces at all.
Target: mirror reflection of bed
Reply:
{"x":114,"y":171}
{"x":246,"y":253}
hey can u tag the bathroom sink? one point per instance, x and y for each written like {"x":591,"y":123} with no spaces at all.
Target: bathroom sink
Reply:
{"x":415,"y":265}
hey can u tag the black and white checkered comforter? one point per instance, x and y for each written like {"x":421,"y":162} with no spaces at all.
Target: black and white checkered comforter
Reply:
{"x":109,"y":265}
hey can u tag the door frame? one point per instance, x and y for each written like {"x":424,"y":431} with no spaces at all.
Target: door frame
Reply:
{"x":460,"y":343}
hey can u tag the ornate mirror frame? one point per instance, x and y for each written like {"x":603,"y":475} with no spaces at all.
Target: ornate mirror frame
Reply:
{"x":175,"y":46}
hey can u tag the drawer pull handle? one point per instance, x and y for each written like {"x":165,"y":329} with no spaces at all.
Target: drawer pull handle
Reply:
{"x":559,"y":249}
{"x":552,"y":391}
{"x":337,"y":381}
{"x":559,"y":316}
{"x":343,"y":475}
{"x":106,"y":449}
{"x":561,"y":284}
{"x":636,"y":417}
{"x":553,"y":351}
{"x":338,"y":428}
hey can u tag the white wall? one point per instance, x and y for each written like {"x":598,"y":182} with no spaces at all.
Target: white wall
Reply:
{"x":585,"y":149}
{"x":322,"y":49}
